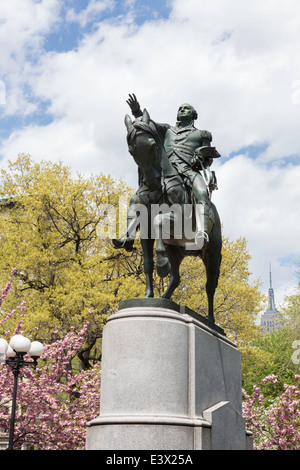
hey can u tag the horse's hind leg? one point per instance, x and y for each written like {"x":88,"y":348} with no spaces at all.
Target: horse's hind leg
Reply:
{"x":147,"y":246}
{"x":212,"y":261}
{"x":175,"y":258}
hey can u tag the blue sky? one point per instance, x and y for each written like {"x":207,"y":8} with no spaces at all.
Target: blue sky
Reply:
{"x":68,"y":36}
{"x":75,"y":20}
{"x":66,"y":68}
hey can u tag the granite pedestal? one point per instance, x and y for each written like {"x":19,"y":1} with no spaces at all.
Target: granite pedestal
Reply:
{"x":170,"y":380}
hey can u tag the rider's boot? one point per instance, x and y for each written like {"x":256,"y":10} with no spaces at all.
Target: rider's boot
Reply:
{"x":127,"y":240}
{"x":202,"y":222}
{"x":123,"y":242}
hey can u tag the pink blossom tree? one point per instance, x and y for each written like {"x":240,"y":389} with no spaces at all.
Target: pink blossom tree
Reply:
{"x":276,"y":424}
{"x":55,"y":401}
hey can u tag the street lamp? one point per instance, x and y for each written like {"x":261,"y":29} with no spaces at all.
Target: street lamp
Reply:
{"x":15,"y":351}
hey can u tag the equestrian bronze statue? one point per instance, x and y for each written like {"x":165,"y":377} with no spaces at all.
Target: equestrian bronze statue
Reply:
{"x":172,"y":207}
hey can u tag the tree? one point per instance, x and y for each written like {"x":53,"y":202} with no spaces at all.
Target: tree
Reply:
{"x":48,"y":228}
{"x":290,"y":312}
{"x":56,"y":400}
{"x":276,"y":353}
{"x":274,"y":356}
{"x":271,"y":408}
{"x":275,"y":425}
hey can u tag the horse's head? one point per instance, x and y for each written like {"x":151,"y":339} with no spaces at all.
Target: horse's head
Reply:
{"x":142,"y":146}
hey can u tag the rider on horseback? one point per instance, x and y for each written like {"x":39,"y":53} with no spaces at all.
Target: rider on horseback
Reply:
{"x":186,"y":148}
{"x":189,"y":151}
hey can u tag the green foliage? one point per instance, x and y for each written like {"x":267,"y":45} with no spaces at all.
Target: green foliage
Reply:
{"x":274,"y":353}
{"x":273,"y":356}
{"x":66,"y":273}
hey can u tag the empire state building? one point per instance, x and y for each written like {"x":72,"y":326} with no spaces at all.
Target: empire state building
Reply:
{"x":270,"y":320}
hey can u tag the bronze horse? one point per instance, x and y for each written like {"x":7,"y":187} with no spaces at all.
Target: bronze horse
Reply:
{"x":162,"y":186}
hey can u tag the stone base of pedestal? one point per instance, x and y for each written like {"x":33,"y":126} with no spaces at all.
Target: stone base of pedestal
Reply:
{"x":170,"y":380}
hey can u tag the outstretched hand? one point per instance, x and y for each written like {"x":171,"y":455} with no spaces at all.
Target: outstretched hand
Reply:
{"x":133,"y":103}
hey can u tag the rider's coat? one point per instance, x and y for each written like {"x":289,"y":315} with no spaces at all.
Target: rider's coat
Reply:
{"x":183,"y":141}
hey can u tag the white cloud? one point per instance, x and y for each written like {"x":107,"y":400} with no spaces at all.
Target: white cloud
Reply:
{"x":74,"y":144}
{"x":237,"y":62}
{"x":296,"y":92}
{"x":260,"y":202}
{"x":23,"y":25}
{"x":2,"y":93}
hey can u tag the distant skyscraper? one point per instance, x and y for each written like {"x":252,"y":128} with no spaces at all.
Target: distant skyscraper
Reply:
{"x":270,"y":319}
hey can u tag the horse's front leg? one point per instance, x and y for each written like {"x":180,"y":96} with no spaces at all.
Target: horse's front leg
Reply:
{"x":163,"y":266}
{"x":147,"y":246}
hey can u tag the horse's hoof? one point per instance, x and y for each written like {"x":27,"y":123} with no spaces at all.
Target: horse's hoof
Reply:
{"x":166,"y":296}
{"x":149,"y":294}
{"x":163,"y":267}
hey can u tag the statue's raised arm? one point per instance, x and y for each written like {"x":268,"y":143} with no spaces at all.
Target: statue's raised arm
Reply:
{"x":134,"y":105}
